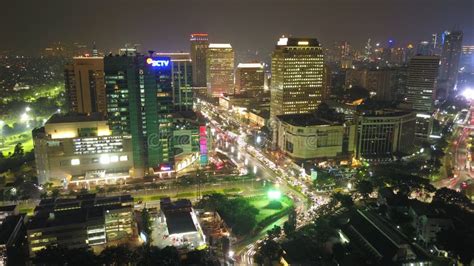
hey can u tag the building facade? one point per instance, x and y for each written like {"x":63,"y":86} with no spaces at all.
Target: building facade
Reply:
{"x":421,"y":91}
{"x":249,"y":79}
{"x":306,"y":137}
{"x":452,"y":49}
{"x":220,"y":69}
{"x":182,"y":82}
{"x":297,"y":76}
{"x":84,"y":80}
{"x":140,"y":103}
{"x":199,"y":45}
{"x":382,"y":133}
{"x":83,"y":222}
{"x":79,"y":148}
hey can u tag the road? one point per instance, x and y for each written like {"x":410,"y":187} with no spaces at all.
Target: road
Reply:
{"x":460,"y":156}
{"x":250,"y":158}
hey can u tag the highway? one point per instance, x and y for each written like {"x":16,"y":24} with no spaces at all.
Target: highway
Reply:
{"x":460,"y":156}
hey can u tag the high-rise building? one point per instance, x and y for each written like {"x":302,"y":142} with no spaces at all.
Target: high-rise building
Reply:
{"x":84,"y":80}
{"x":220,"y":69}
{"x":199,"y":45}
{"x":297,"y":76}
{"x":249,"y":78}
{"x":452,"y":49}
{"x":421,"y":90}
{"x":140,"y":103}
{"x":182,"y":73}
{"x":423,"y":48}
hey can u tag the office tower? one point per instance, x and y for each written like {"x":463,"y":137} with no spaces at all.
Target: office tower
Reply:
{"x":356,"y":77}
{"x":452,"y":49}
{"x":409,"y":53}
{"x":84,"y":81}
{"x":140,"y":102}
{"x":297,"y":76}
{"x":467,"y":58}
{"x":249,"y":79}
{"x":220,"y":69}
{"x":383,"y":83}
{"x":383,"y":132}
{"x":423,"y":48}
{"x":182,"y":82}
{"x":368,"y":51}
{"x":421,"y":90}
{"x":199,"y":45}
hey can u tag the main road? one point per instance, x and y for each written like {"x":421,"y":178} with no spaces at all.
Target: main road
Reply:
{"x":250,"y":158}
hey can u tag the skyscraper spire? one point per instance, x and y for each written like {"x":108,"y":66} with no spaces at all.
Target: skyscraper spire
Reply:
{"x":94,"y":50}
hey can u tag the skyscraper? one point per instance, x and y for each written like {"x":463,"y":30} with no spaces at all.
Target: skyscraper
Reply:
{"x":452,"y":49}
{"x":297,"y":76}
{"x":421,"y":90}
{"x":220,"y":69}
{"x":84,"y":80}
{"x":199,"y":44}
{"x":249,"y":78}
{"x":139,"y":95}
{"x":182,"y":82}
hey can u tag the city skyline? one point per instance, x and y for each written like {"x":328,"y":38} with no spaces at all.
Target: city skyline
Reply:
{"x":146,"y":23}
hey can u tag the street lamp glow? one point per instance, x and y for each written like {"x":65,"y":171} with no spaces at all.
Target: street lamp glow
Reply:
{"x":274,"y":194}
{"x":24,"y":117}
{"x":468,"y":93}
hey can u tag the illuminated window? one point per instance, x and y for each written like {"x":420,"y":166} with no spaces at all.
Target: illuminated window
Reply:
{"x":104,"y":159}
{"x":75,"y":162}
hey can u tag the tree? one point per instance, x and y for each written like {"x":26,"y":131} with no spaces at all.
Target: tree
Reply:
{"x":147,"y":226}
{"x":60,"y":255}
{"x":117,"y":255}
{"x":269,"y":251}
{"x":449,"y":196}
{"x":449,"y":239}
{"x":18,"y":151}
{"x":274,"y":232}
{"x":344,"y":199}
{"x":365,"y":187}
{"x":55,"y":193}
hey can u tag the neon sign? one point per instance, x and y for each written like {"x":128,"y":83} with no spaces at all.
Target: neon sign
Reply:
{"x":161,"y":62}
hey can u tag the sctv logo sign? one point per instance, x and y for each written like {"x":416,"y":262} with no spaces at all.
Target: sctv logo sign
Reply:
{"x":158,"y":62}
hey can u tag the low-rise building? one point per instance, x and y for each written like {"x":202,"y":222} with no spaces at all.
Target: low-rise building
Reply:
{"x":305,"y":137}
{"x":428,"y":221}
{"x":12,"y":238}
{"x":383,"y":132}
{"x":84,"y":221}
{"x":381,"y":243}
{"x":178,"y":225}
{"x":80,"y":148}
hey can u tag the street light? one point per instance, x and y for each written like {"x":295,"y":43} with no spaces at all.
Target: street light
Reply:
{"x":274,"y":194}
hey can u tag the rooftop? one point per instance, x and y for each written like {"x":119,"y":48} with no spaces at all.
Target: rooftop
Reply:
{"x":220,"y":45}
{"x":75,"y":117}
{"x":250,"y":65}
{"x":179,"y":222}
{"x":305,"y":120}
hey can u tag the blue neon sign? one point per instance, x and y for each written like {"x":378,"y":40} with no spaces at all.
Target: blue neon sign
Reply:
{"x":159,"y":62}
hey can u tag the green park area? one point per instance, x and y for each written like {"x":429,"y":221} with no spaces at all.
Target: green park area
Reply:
{"x":268,"y":207}
{"x":247,"y":215}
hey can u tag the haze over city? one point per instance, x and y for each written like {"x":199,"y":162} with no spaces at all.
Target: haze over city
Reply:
{"x":251,"y":132}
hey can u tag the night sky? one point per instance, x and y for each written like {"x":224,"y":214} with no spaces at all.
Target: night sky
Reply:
{"x":250,"y":25}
